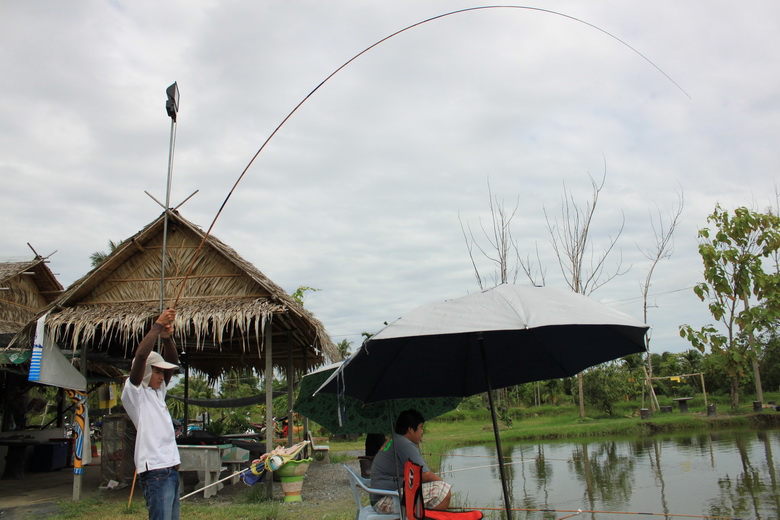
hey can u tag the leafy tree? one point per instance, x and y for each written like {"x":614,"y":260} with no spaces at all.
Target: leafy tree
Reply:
{"x":606,"y":384}
{"x":770,"y":359}
{"x":198,"y":389}
{"x":239,"y":384}
{"x":98,"y":256}
{"x":235,"y":384}
{"x":300,"y":293}
{"x":740,"y":294}
{"x":691,"y":361}
{"x":345,"y":348}
{"x":550,"y":391}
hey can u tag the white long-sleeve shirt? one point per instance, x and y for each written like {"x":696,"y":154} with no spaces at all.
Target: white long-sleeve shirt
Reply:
{"x":155,"y":442}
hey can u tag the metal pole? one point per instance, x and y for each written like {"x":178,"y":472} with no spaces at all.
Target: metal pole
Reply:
{"x":167,"y":207}
{"x":507,"y":503}
{"x":172,"y":108}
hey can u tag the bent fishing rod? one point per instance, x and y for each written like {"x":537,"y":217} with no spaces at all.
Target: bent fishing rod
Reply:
{"x":361,"y":53}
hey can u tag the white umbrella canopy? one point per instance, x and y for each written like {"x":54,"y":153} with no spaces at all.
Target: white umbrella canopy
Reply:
{"x":529,"y":333}
{"x":500,"y":337}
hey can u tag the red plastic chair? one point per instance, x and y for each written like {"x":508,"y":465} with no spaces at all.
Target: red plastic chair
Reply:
{"x":412,"y":501}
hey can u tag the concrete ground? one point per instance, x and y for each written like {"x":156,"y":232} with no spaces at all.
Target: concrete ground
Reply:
{"x":37,"y":494}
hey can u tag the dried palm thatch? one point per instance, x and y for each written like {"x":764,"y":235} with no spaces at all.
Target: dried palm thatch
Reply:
{"x":25,"y":289}
{"x":225,"y":305}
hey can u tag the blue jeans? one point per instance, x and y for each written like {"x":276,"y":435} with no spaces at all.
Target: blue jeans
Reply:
{"x":161,"y":492}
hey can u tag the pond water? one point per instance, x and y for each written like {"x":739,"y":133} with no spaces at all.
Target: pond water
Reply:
{"x":723,"y":475}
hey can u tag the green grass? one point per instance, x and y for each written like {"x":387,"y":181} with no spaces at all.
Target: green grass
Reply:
{"x":248,"y":505}
{"x":96,"y":509}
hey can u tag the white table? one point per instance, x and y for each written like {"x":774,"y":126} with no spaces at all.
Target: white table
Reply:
{"x":207,"y":462}
{"x":234,"y":458}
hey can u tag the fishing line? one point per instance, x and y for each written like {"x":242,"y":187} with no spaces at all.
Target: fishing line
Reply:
{"x":493,"y":457}
{"x":484,"y":467}
{"x":520,"y":461}
{"x":364,"y":51}
{"x":578,"y":511}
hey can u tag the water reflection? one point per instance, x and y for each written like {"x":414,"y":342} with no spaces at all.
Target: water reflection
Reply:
{"x":729,"y":475}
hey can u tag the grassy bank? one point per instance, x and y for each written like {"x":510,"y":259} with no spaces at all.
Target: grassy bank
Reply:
{"x":465,"y":427}
{"x":457,"y":428}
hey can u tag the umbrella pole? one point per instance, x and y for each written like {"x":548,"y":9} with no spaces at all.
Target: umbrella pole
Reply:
{"x":507,"y":503}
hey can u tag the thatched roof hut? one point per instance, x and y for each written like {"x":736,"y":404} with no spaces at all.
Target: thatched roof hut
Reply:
{"x":224,"y":307}
{"x":25,"y":288}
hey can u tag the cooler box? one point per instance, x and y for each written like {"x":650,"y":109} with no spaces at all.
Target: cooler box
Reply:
{"x":49,"y":456}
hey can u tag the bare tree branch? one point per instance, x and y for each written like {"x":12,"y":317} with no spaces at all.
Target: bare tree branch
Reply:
{"x":469,"y":239}
{"x":664,"y":245}
{"x":529,"y":268}
{"x":571,"y":242}
{"x":499,"y":239}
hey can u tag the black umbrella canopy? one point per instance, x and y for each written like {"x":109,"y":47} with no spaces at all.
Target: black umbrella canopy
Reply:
{"x":529,"y":334}
{"x":496,"y":338}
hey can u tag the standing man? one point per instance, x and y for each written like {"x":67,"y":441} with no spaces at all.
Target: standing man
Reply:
{"x":388,"y":467}
{"x":156,"y":454}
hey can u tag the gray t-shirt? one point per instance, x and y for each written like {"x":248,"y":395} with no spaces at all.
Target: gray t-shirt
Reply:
{"x":387,"y":475}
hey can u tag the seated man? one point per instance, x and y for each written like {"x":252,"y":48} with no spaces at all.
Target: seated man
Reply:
{"x":388,"y":466}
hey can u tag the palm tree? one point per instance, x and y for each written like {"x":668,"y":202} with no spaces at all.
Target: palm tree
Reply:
{"x":99,"y":256}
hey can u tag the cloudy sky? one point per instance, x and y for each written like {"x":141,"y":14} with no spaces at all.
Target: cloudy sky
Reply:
{"x":362,"y":192}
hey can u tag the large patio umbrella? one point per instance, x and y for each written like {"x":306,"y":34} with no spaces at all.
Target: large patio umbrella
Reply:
{"x":492,"y":339}
{"x":344,"y":414}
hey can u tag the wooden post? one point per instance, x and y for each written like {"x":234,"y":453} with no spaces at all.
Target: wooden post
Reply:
{"x":78,"y":477}
{"x":306,"y":370}
{"x":269,"y":396}
{"x":703,"y":389}
{"x":290,"y":379}
{"x":653,"y":399}
{"x":60,"y":408}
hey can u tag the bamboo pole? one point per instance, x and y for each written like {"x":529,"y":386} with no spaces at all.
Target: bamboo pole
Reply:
{"x":132,"y":490}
